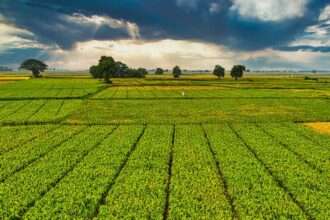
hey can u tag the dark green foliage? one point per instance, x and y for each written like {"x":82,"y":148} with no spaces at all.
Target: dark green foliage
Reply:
{"x":219,"y":71}
{"x":93,"y":70}
{"x":36,"y":66}
{"x":159,"y":71}
{"x":122,"y":70}
{"x":237,"y":71}
{"x":107,"y":68}
{"x":141,"y":72}
{"x":310,"y":78}
{"x":134,"y":73}
{"x":176,"y":72}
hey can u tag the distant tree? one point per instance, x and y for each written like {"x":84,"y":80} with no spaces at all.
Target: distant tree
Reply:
{"x":219,"y":71}
{"x":122,"y":69}
{"x":36,"y":66}
{"x":93,"y":70}
{"x":142,"y":71}
{"x":159,"y":71}
{"x":176,"y":72}
{"x":237,"y":71}
{"x":137,"y":73}
{"x":107,"y":68}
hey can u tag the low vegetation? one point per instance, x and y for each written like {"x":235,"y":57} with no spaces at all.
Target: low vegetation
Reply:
{"x":164,"y":148}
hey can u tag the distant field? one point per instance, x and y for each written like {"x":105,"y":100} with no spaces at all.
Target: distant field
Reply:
{"x":163,"y":148}
{"x":49,"y":88}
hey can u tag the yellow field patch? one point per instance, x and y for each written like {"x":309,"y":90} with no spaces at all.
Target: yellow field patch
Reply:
{"x":181,"y":88}
{"x":322,"y":127}
{"x":13,"y":78}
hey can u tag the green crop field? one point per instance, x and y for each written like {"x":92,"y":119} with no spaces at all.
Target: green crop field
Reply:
{"x":161,"y":148}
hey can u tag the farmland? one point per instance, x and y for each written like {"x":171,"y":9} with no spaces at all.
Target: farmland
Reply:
{"x":162,"y":148}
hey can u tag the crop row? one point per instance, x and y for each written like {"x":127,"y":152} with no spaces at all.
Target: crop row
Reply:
{"x":80,"y":193}
{"x":24,"y":154}
{"x":20,"y":191}
{"x":307,"y":186}
{"x":304,"y":148}
{"x":310,"y":134}
{"x":15,"y":112}
{"x":196,"y":189}
{"x":241,"y":171}
{"x":140,"y":190}
{"x":12,"y":137}
{"x":138,"y":93}
{"x":254,"y":192}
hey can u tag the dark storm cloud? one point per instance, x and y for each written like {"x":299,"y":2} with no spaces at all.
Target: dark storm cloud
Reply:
{"x":12,"y":57}
{"x":52,"y":25}
{"x":202,"y":20}
{"x":324,"y":49}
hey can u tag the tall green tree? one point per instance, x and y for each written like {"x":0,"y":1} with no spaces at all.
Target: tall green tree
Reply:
{"x":176,"y":72}
{"x":237,"y":71}
{"x":219,"y":71}
{"x":36,"y":66}
{"x":107,"y":68}
{"x":93,"y":70}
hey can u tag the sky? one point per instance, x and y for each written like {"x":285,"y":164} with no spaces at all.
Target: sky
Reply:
{"x":194,"y":34}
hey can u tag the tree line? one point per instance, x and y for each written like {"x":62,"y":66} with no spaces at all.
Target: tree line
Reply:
{"x":108,"y":68}
{"x":236,"y":72}
{"x":5,"y":68}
